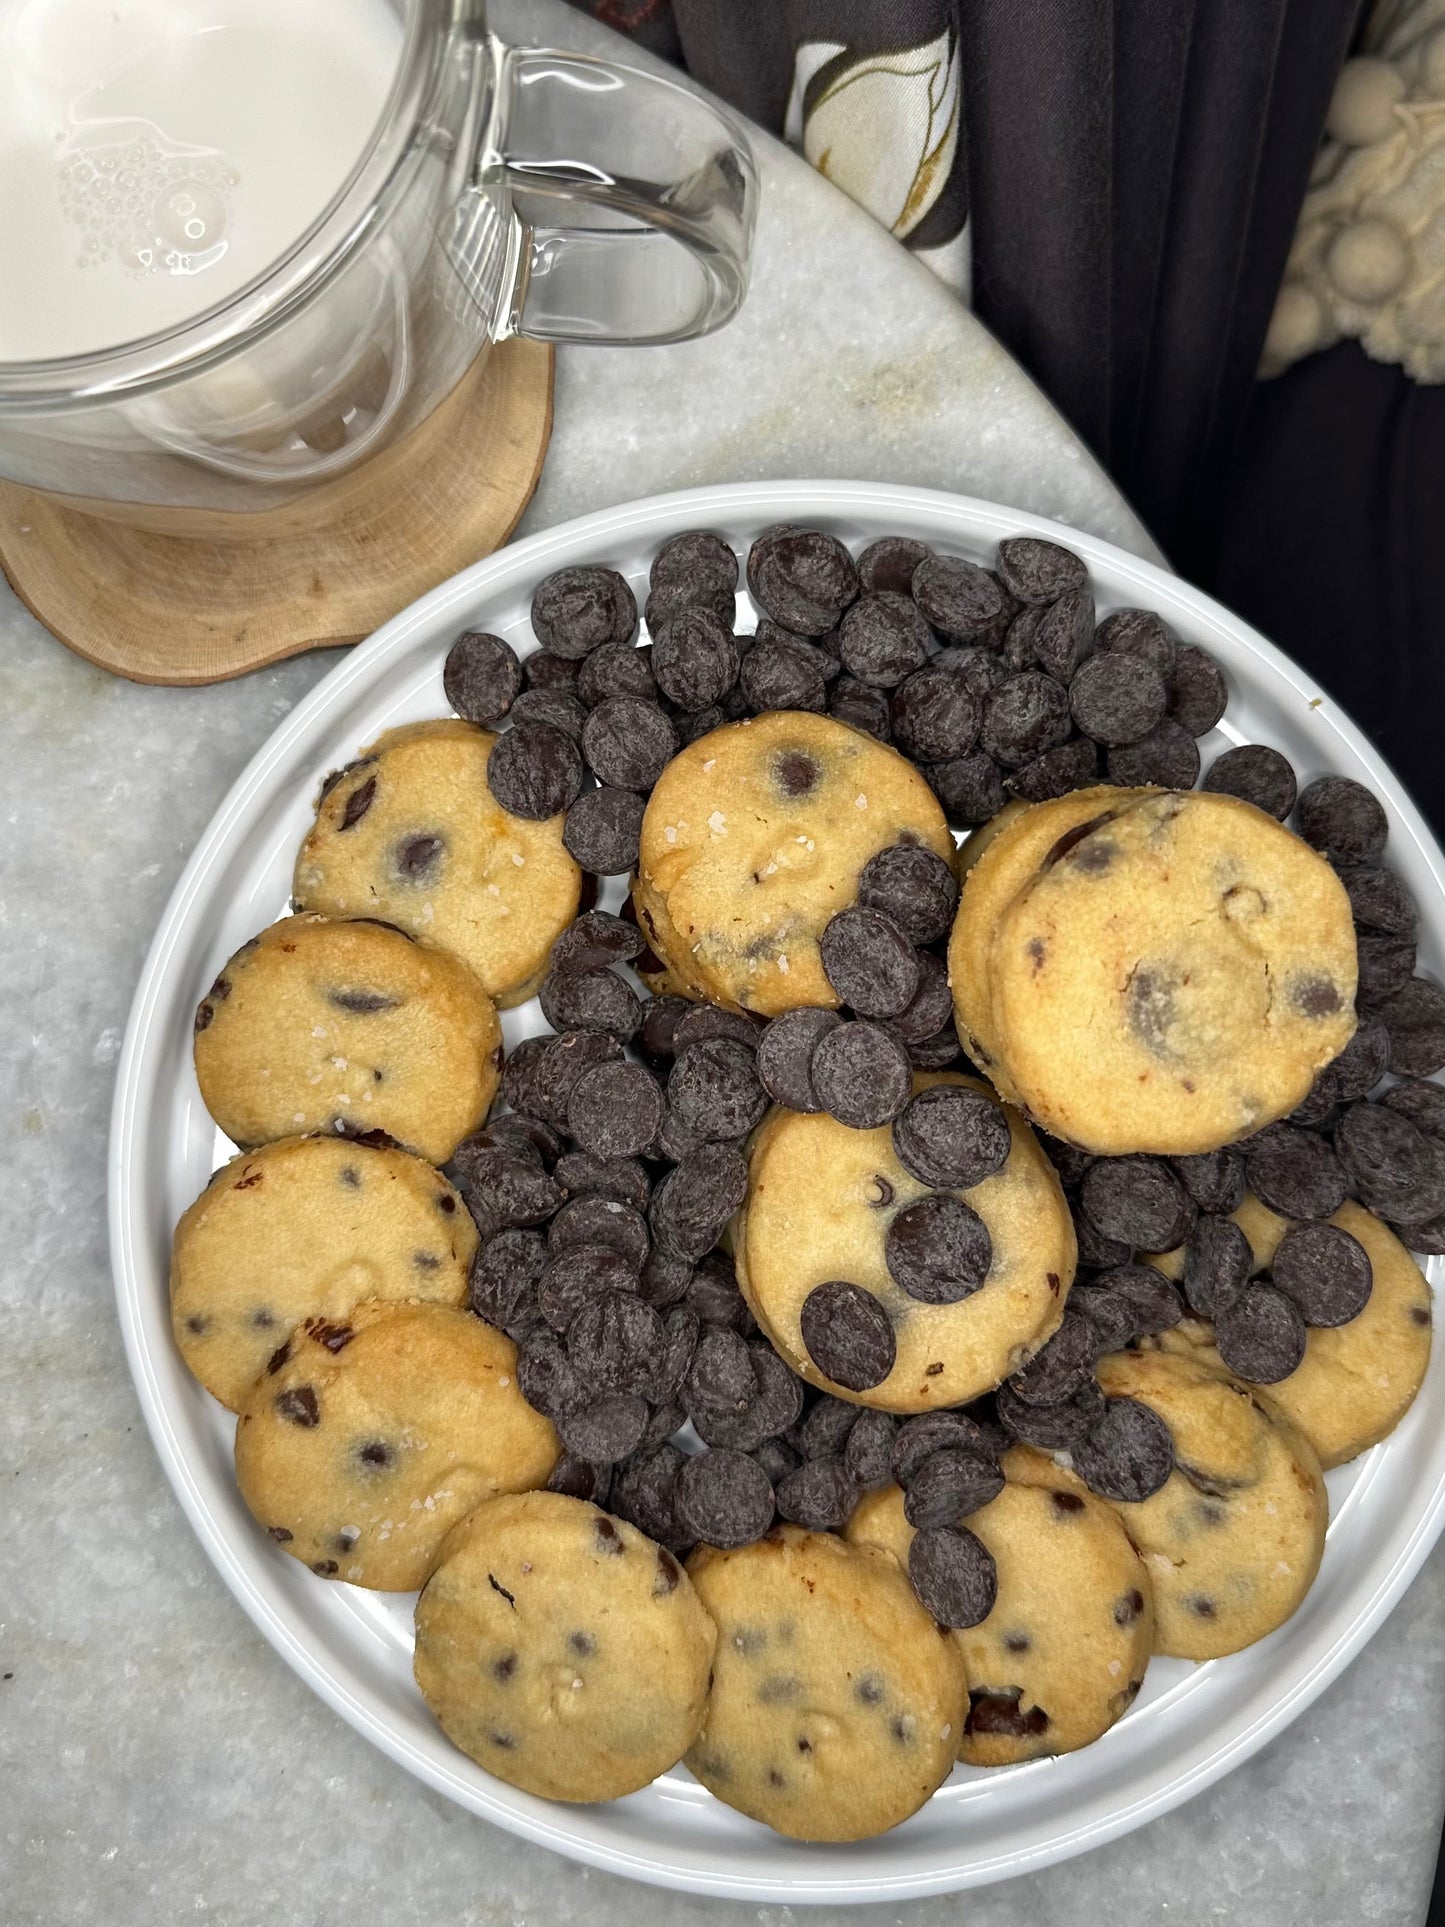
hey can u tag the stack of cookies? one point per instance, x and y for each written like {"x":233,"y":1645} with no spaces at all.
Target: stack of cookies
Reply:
{"x":908,"y":1285}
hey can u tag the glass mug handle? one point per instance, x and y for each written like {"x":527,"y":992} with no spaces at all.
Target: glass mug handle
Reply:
{"x":666,"y":184}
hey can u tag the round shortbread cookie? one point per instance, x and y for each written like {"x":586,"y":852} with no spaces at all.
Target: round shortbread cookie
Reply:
{"x":303,"y":1228}
{"x":754,"y":838}
{"x":821,"y":1198}
{"x":1233,"y":1539}
{"x":347,"y":1026}
{"x":836,"y":1701}
{"x":1172,"y":979}
{"x":365,"y":1442}
{"x":562,"y":1650}
{"x":1063,"y":1653}
{"x":410,"y":832}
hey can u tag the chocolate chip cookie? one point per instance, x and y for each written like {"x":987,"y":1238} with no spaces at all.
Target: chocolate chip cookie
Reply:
{"x":1357,"y":1380}
{"x":1063,"y":1652}
{"x":364,"y":1442}
{"x":754,"y":838}
{"x":347,"y":1026}
{"x":410,"y":832}
{"x":562,"y":1650}
{"x":836,"y":1703}
{"x":1234,"y":1537}
{"x":1173,"y":977}
{"x":884,"y":1290}
{"x":306,"y":1228}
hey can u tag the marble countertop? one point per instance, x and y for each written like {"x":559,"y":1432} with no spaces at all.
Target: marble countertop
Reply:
{"x":157,"y":1760}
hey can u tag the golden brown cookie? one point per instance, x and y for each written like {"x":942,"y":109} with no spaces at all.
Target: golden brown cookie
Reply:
{"x":562,"y":1650}
{"x":821,"y":1198}
{"x":411,"y":833}
{"x":754,"y":838}
{"x":1356,"y":1381}
{"x":1173,"y":978}
{"x":365,"y":1442}
{"x":303,"y":1228}
{"x":1233,"y":1539}
{"x":1063,"y":1653}
{"x":324,"y":1025}
{"x":836,"y":1702}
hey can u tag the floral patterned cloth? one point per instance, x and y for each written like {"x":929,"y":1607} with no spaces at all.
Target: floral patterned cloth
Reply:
{"x":869,"y":94}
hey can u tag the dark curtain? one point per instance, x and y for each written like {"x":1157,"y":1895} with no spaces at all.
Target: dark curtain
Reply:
{"x":1134,"y":171}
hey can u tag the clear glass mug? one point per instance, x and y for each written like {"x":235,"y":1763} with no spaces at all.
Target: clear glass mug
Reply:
{"x":458,"y":226}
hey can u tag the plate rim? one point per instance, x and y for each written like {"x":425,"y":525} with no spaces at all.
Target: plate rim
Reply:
{"x":1336,"y":1648}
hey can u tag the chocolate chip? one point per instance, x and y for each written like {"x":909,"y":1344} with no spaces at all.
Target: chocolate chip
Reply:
{"x":935,"y":716}
{"x":803,"y":578}
{"x":695,"y":1200}
{"x":616,"y":669}
{"x":782,"y":675}
{"x":564,"y":1060}
{"x":695,"y":659}
{"x":928,"y":1014}
{"x":869,"y":962}
{"x":970,"y":788}
{"x":590,"y":1000}
{"x":953,"y":1574}
{"x":1325,"y":1271}
{"x":594,"y":941}
{"x":1257,"y":774}
{"x":1000,"y":1712}
{"x":1385,"y":965}
{"x":502,"y":1280}
{"x":861,"y":1075}
{"x":1129,"y":1454}
{"x":534,"y":771}
{"x":723,"y":1498}
{"x":1063,"y":634}
{"x":952,"y":1137}
{"x":848,"y":1335}
{"x":544,"y":670}
{"x":768,"y":1410}
{"x":854,"y":703}
{"x":938,"y":1250}
{"x":1060,"y":1367}
{"x":823,"y":1433}
{"x":883,"y":640}
{"x":357,"y":804}
{"x":785,"y":1055}
{"x":958,"y":598}
{"x":601,"y":1222}
{"x":1261,"y":1336}
{"x":1117,"y":699}
{"x":1023,"y":717}
{"x":575,"y":1479}
{"x":1379,"y":901}
{"x":1295,"y":1173}
{"x":1155,"y":1304}
{"x":616,"y":1344}
{"x":1217,"y":1265}
{"x":615,"y":1110}
{"x":1139,"y":632}
{"x":362,"y":1003}
{"x":545,"y":1376}
{"x":913,"y":888}
{"x":628,"y":742}
{"x":576,"y":1275}
{"x":1341,"y":817}
{"x":1138,"y":1201}
{"x":695,"y":556}
{"x":818,"y":1495}
{"x":950,"y":1484}
{"x":1397,"y":1169}
{"x":889,"y":564}
{"x":1052,"y":1428}
{"x":1109,"y":1312}
{"x":712,"y":1292}
{"x":1069,"y":766}
{"x":556,"y":708}
{"x":603,"y":830}
{"x":578,"y":610}
{"x":482,"y":677}
{"x":508,"y":1188}
{"x":868,"y":1451}
{"x":605,"y":1432}
{"x":620,"y":1179}
{"x":643,"y":1489}
{"x":1198,"y":692}
{"x":1214,"y":1179}
{"x":919,"y":1438}
{"x":936,"y":1053}
{"x":1422,"y":1102}
{"x":1415,"y":1019}
{"x":714,"y":1091}
{"x":1038,"y":571}
{"x":299,"y":1406}
{"x":1167,"y":758}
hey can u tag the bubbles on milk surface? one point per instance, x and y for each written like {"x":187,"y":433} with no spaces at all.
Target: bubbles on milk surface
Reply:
{"x":148,"y":207}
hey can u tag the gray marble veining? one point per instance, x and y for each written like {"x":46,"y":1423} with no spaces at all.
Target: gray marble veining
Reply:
{"x":157,"y":1761}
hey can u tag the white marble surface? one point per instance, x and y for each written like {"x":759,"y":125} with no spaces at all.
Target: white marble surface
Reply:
{"x":157,"y":1760}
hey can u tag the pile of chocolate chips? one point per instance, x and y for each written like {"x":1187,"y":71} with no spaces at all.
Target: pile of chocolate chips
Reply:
{"x":602,"y":1192}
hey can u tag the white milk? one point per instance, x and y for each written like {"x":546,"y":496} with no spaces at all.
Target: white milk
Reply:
{"x":156,"y":155}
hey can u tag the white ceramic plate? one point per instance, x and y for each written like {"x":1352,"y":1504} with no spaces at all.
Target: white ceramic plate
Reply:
{"x":1190,"y":1725}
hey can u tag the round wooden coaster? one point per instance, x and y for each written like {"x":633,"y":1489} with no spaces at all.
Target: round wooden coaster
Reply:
{"x":323,"y":572}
